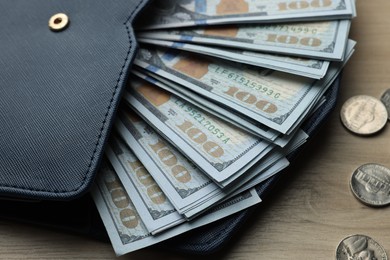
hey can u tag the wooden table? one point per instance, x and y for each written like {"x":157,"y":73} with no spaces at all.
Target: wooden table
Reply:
{"x":311,"y":211}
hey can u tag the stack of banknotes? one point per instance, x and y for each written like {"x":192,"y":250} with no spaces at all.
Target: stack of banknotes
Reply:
{"x":215,"y":100}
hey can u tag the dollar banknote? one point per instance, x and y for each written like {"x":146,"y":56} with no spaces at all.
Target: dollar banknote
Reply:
{"x":324,"y":40}
{"x":125,"y":226}
{"x":151,"y":202}
{"x":185,"y":185}
{"x":275,"y":99}
{"x":221,"y":150}
{"x":221,"y":112}
{"x":310,"y":68}
{"x":188,"y":189}
{"x":278,"y":165}
{"x":184,"y":13}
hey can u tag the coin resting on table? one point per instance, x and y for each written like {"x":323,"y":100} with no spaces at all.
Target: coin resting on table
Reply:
{"x":364,"y":115}
{"x":386,"y":101}
{"x":370,"y":184}
{"x":360,"y":247}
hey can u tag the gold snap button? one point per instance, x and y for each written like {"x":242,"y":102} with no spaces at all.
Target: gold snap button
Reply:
{"x":58,"y":22}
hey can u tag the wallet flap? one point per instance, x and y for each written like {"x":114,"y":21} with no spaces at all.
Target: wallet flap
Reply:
{"x":59,"y":92}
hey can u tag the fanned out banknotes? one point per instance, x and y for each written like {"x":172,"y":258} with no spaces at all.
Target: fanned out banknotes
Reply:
{"x":214,"y":104}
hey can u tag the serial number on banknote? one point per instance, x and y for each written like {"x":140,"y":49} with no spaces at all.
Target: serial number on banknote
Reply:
{"x":207,"y":124}
{"x":247,"y":82}
{"x":292,"y":28}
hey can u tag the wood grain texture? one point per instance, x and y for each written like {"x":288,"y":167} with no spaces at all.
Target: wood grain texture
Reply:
{"x":312,"y":210}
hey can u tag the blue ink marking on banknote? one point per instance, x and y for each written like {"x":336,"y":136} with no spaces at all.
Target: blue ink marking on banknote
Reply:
{"x":151,"y":80}
{"x":186,"y":38}
{"x":178,"y":44}
{"x":200,"y":6}
{"x":152,"y":68}
{"x":201,"y":22}
{"x":169,"y":56}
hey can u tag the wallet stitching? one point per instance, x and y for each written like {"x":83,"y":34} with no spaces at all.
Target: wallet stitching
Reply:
{"x":126,"y":24}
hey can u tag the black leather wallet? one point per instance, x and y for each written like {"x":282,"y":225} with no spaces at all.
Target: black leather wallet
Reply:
{"x":59,"y":92}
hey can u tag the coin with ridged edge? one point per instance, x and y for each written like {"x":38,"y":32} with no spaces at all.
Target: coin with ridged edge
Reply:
{"x":386,"y":101}
{"x":370,"y":183}
{"x":364,"y":115}
{"x":360,"y":247}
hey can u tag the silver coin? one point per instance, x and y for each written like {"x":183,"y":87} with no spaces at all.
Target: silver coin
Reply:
{"x":364,"y":115}
{"x":370,"y":183}
{"x":386,"y":101}
{"x":360,"y":247}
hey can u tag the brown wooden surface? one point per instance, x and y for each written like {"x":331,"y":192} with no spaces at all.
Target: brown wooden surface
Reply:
{"x":311,"y":211}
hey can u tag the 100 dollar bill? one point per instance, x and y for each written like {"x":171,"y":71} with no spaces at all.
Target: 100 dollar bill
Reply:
{"x":318,"y":40}
{"x":185,"y":185}
{"x":151,"y":202}
{"x":298,"y":66}
{"x":183,"y":13}
{"x":275,"y":99}
{"x":191,"y":191}
{"x":223,"y":113}
{"x":221,"y":150}
{"x":124,"y":224}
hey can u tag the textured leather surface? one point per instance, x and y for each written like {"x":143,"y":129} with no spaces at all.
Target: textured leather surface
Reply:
{"x":59,"y":92}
